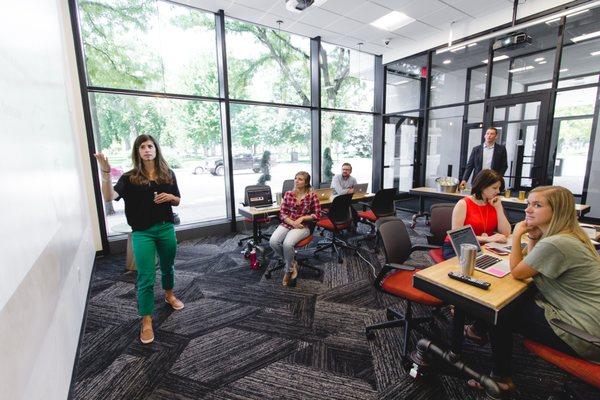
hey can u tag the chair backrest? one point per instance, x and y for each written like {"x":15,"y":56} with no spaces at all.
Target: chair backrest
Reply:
{"x":339,"y":212}
{"x":440,"y":222}
{"x":396,"y":241}
{"x":324,"y":185}
{"x":288,"y":185}
{"x":383,"y":203}
{"x":253,"y":188}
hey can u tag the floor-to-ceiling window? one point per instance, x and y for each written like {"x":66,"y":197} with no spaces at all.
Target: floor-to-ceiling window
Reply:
{"x":151,"y":69}
{"x":270,"y":141}
{"x":347,"y":84}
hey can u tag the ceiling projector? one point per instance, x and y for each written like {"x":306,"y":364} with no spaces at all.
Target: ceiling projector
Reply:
{"x":512,"y":41}
{"x":298,"y":5}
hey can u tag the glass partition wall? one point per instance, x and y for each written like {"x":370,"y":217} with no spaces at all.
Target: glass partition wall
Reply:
{"x":230,"y":102}
{"x":543,"y":97}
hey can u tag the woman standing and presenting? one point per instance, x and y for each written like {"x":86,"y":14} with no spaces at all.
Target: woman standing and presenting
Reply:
{"x":299,"y":207}
{"x":149,"y":190}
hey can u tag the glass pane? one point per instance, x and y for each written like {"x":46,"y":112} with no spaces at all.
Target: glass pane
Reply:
{"x":477,"y":87}
{"x":449,"y":73}
{"x":189,"y":134}
{"x":593,"y":189}
{"x":500,"y":78}
{"x":400,"y":139}
{"x":151,"y":45}
{"x":267,"y":65}
{"x":347,"y":138}
{"x":527,"y":72}
{"x":347,"y":78}
{"x":581,"y":54}
{"x":573,"y":119}
{"x":269,"y":145}
{"x":443,"y":143}
{"x":475,"y":113}
{"x":403,"y":84}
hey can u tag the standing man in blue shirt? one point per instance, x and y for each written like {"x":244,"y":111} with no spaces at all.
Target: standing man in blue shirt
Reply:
{"x":344,"y":183}
{"x":489,"y":155}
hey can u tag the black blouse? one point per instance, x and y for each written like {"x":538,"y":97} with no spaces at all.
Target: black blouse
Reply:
{"x":140,"y":209}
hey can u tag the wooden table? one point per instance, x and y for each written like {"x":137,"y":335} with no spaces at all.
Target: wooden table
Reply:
{"x":492,"y":306}
{"x":256,"y":214}
{"x":509,"y":203}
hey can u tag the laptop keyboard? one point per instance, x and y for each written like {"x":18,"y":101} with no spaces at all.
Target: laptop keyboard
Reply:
{"x":486,"y":261}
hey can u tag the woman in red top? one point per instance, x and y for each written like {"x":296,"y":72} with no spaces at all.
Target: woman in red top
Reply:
{"x":482,"y":210}
{"x":298,"y":208}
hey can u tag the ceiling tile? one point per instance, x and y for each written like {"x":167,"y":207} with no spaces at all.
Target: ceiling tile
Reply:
{"x":318,"y":17}
{"x":417,"y":30}
{"x":345,"y":25}
{"x":369,"y":33}
{"x":368,"y":12}
{"x":420,"y":8}
{"x":397,"y":5}
{"x":263,"y":5}
{"x":244,"y":13}
{"x":443,"y":17}
{"x":342,"y":6}
{"x":477,"y":7}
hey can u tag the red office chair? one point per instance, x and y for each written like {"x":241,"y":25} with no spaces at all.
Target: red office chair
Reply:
{"x":397,"y":279}
{"x":586,"y":371}
{"x":381,"y":206}
{"x":440,"y":223}
{"x":301,"y":245}
{"x":338,"y":219}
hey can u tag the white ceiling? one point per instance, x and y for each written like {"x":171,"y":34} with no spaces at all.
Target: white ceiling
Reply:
{"x":346,"y":22}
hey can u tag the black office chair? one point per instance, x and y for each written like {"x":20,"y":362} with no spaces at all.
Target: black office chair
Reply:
{"x":288,"y":185}
{"x":338,"y":219}
{"x":381,"y":206}
{"x":259,"y":221}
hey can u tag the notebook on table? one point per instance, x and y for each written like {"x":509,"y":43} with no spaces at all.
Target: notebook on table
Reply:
{"x":483,"y":262}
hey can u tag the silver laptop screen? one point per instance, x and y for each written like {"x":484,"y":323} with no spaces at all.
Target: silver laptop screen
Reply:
{"x":463,"y":235}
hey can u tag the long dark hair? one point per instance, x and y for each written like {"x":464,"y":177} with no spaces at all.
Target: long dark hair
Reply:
{"x":138,"y":175}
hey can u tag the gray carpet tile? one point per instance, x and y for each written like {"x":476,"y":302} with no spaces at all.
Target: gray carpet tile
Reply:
{"x":243,"y":336}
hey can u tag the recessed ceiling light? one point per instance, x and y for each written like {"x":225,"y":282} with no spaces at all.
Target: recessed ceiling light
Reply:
{"x":539,"y":59}
{"x":521,"y":69}
{"x":392,"y":21}
{"x":472,"y":44}
{"x":457,"y":49}
{"x":542,"y":62}
{"x":595,"y":53}
{"x":498,"y":58}
{"x":586,"y":36}
{"x":446,"y":61}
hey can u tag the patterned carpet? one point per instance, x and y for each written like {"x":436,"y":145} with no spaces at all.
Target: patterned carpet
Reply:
{"x":242,"y":336}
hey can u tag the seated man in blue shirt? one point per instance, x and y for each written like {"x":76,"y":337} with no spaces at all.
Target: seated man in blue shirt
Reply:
{"x":344,"y":183}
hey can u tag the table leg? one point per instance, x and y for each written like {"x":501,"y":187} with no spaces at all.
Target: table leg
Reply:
{"x":458,"y":326}
{"x":420,"y":213}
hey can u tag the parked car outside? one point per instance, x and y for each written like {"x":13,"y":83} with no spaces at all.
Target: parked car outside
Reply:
{"x":215,"y":166}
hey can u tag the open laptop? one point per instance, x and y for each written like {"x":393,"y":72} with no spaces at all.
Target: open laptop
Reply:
{"x":484,"y":262}
{"x":324,"y":194}
{"x":360,"y":189}
{"x":260,"y":197}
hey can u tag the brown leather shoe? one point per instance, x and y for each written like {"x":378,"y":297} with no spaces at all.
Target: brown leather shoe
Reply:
{"x":146,"y":334}
{"x":174,"y":302}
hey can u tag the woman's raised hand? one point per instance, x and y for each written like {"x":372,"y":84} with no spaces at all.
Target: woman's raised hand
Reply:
{"x":102,"y":161}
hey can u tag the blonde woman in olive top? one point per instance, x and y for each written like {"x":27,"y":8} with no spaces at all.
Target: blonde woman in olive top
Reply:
{"x":149,"y":191}
{"x":565,"y":268}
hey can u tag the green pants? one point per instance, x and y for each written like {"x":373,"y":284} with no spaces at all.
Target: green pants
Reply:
{"x":161,"y":238}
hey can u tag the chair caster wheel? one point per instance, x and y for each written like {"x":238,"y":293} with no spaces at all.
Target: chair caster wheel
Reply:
{"x":240,"y":243}
{"x":268,"y":275}
{"x":370,"y":335}
{"x":417,"y":371}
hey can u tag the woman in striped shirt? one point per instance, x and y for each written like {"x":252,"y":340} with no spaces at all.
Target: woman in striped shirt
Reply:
{"x":298,"y":209}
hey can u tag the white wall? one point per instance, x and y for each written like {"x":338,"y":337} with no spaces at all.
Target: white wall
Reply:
{"x":49,"y":229}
